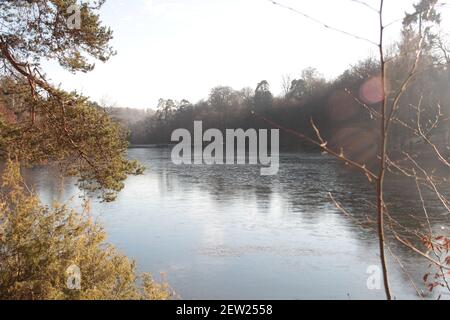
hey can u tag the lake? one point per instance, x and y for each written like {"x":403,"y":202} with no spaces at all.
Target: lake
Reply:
{"x":225,"y":232}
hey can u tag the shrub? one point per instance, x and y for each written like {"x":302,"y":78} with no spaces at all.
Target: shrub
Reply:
{"x":40,"y":246}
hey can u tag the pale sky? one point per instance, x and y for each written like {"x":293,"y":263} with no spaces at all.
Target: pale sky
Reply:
{"x":180,"y":49}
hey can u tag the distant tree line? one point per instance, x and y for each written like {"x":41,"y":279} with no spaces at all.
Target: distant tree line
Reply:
{"x":344,"y":109}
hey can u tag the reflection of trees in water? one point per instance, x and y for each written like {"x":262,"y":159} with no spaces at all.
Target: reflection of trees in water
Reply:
{"x":50,"y":185}
{"x":303,"y":184}
{"x":298,"y":195}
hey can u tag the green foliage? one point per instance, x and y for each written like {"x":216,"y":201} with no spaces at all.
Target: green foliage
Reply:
{"x":37,"y":29}
{"x":38,"y":244}
{"x":40,"y":123}
{"x":78,"y":135}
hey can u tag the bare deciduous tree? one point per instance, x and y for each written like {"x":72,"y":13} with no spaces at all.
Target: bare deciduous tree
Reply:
{"x":435,"y":248}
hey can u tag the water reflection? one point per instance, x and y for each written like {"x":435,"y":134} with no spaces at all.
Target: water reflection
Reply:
{"x":227,"y":232}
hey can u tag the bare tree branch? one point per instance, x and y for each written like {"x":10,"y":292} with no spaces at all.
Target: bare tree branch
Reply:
{"x":323,"y":24}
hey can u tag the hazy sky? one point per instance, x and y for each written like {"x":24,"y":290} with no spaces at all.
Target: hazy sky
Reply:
{"x":182,"y":48}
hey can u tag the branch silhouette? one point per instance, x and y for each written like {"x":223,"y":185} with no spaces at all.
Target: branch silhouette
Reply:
{"x":323,"y":24}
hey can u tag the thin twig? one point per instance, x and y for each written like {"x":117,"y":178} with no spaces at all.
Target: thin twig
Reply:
{"x":323,"y":24}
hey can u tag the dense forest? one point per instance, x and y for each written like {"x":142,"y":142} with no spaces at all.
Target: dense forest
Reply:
{"x":345,"y":109}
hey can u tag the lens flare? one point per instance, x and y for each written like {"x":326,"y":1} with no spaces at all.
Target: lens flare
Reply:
{"x":372,"y":91}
